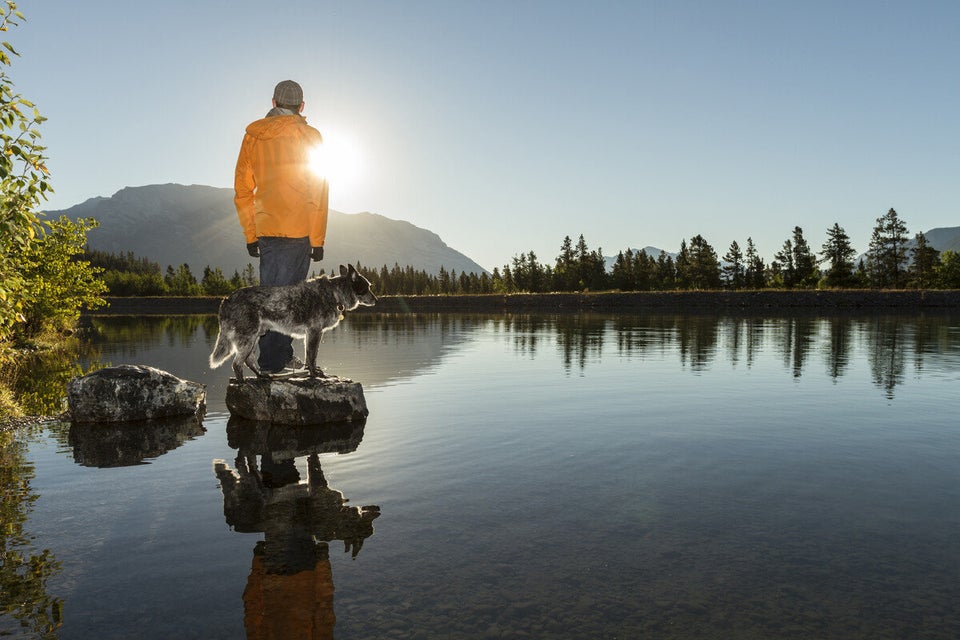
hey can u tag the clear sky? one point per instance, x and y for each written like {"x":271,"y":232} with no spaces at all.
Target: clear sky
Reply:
{"x":504,"y":126}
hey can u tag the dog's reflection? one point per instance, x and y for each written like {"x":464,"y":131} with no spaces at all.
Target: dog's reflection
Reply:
{"x":289,"y":592}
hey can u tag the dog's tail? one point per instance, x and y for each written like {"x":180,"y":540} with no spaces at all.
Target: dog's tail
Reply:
{"x":222,"y":351}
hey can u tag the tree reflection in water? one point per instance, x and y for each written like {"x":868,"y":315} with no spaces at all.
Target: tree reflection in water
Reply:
{"x":289,"y":592}
{"x":25,"y":605}
{"x":890,"y":341}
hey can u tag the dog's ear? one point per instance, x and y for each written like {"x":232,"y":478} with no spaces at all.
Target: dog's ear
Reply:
{"x":343,"y":270}
{"x":353,"y":271}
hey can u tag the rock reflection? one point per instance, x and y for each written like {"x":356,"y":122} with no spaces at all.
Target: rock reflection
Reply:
{"x":130,"y":443}
{"x":289,"y":592}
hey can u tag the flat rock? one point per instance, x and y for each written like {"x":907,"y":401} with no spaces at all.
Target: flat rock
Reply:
{"x":297,"y":400}
{"x":133,"y":392}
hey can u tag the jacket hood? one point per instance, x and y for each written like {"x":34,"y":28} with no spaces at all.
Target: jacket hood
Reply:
{"x":274,"y":126}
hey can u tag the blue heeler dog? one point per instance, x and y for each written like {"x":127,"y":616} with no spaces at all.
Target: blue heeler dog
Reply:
{"x":306,"y":310}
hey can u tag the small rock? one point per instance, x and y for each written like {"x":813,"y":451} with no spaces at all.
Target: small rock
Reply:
{"x":297,"y":400}
{"x":133,"y":392}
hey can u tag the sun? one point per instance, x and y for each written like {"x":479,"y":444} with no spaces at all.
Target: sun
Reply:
{"x":338,"y":160}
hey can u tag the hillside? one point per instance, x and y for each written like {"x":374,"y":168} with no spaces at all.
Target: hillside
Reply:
{"x":174,"y":224}
{"x":943,"y":238}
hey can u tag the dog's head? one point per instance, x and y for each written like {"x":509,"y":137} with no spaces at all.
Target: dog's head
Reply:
{"x":359,"y":285}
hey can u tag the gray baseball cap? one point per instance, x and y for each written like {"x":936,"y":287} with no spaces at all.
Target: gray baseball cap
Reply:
{"x":288,"y":93}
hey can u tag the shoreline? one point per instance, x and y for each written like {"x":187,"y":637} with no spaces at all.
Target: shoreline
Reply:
{"x":763,"y":300}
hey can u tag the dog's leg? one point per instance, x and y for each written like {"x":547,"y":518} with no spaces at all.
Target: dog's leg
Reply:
{"x":238,"y":369}
{"x":311,"y":345}
{"x":245,"y":349}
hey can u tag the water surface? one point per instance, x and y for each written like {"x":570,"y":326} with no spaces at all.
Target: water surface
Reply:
{"x":571,"y":476}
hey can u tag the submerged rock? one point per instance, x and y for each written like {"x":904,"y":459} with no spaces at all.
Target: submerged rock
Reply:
{"x":297,"y":400}
{"x":133,"y":392}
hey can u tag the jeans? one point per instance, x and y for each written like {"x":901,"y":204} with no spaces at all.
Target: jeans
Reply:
{"x":282,"y":261}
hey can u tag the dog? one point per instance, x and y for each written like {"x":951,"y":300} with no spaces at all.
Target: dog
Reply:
{"x":305,"y":310}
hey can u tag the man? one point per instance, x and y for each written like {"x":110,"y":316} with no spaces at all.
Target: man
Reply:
{"x":281,"y":203}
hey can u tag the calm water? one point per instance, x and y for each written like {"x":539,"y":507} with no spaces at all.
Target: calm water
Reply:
{"x":527,"y":477}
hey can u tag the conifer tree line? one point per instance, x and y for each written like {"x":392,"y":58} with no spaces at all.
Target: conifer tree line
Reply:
{"x":890,"y":264}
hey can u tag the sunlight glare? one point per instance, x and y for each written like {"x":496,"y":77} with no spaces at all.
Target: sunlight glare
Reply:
{"x":337,"y":159}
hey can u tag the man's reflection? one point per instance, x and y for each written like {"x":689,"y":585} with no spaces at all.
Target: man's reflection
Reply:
{"x":289,"y":593}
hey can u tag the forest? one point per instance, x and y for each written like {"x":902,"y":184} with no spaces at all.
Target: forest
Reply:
{"x":894,"y":260}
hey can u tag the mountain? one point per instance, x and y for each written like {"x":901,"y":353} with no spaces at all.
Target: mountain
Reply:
{"x":174,"y":224}
{"x":943,"y":238}
{"x":653,"y":252}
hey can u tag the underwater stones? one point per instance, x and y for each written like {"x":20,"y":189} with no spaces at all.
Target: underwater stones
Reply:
{"x":297,"y":400}
{"x":133,"y":392}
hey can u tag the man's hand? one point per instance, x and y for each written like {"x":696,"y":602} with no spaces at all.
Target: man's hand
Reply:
{"x":253,"y":248}
{"x":316,"y":254}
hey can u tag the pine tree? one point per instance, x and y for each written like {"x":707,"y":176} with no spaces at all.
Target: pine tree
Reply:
{"x":733,"y":271}
{"x":596,"y":271}
{"x":804,"y":262}
{"x":565,"y":275}
{"x":703,"y":268}
{"x":182,"y":282}
{"x":582,"y":257}
{"x":887,"y":257}
{"x":249,"y":276}
{"x":838,"y":252}
{"x":508,"y":285}
{"x":682,"y":267}
{"x":754,"y":273}
{"x":622,"y":276}
{"x":666,"y":273}
{"x":785,"y":270}
{"x":926,"y":260}
{"x":214,"y":283}
{"x":949,"y":271}
{"x":643,"y":268}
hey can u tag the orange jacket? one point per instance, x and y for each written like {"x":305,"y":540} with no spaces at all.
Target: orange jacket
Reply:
{"x":277,"y":194}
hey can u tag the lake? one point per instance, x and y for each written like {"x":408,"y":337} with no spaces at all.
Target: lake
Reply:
{"x":539,"y":476}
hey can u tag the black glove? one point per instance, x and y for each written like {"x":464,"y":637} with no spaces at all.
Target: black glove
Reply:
{"x":316,"y":254}
{"x":253,"y":248}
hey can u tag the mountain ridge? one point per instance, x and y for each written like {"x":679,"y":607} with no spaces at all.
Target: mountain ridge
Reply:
{"x":197,"y":225}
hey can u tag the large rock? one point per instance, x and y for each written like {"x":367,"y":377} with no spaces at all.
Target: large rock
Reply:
{"x":133,"y":392}
{"x":297,"y":400}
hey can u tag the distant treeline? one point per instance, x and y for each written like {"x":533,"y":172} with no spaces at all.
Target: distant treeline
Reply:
{"x":890,"y":264}
{"x":128,"y":275}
